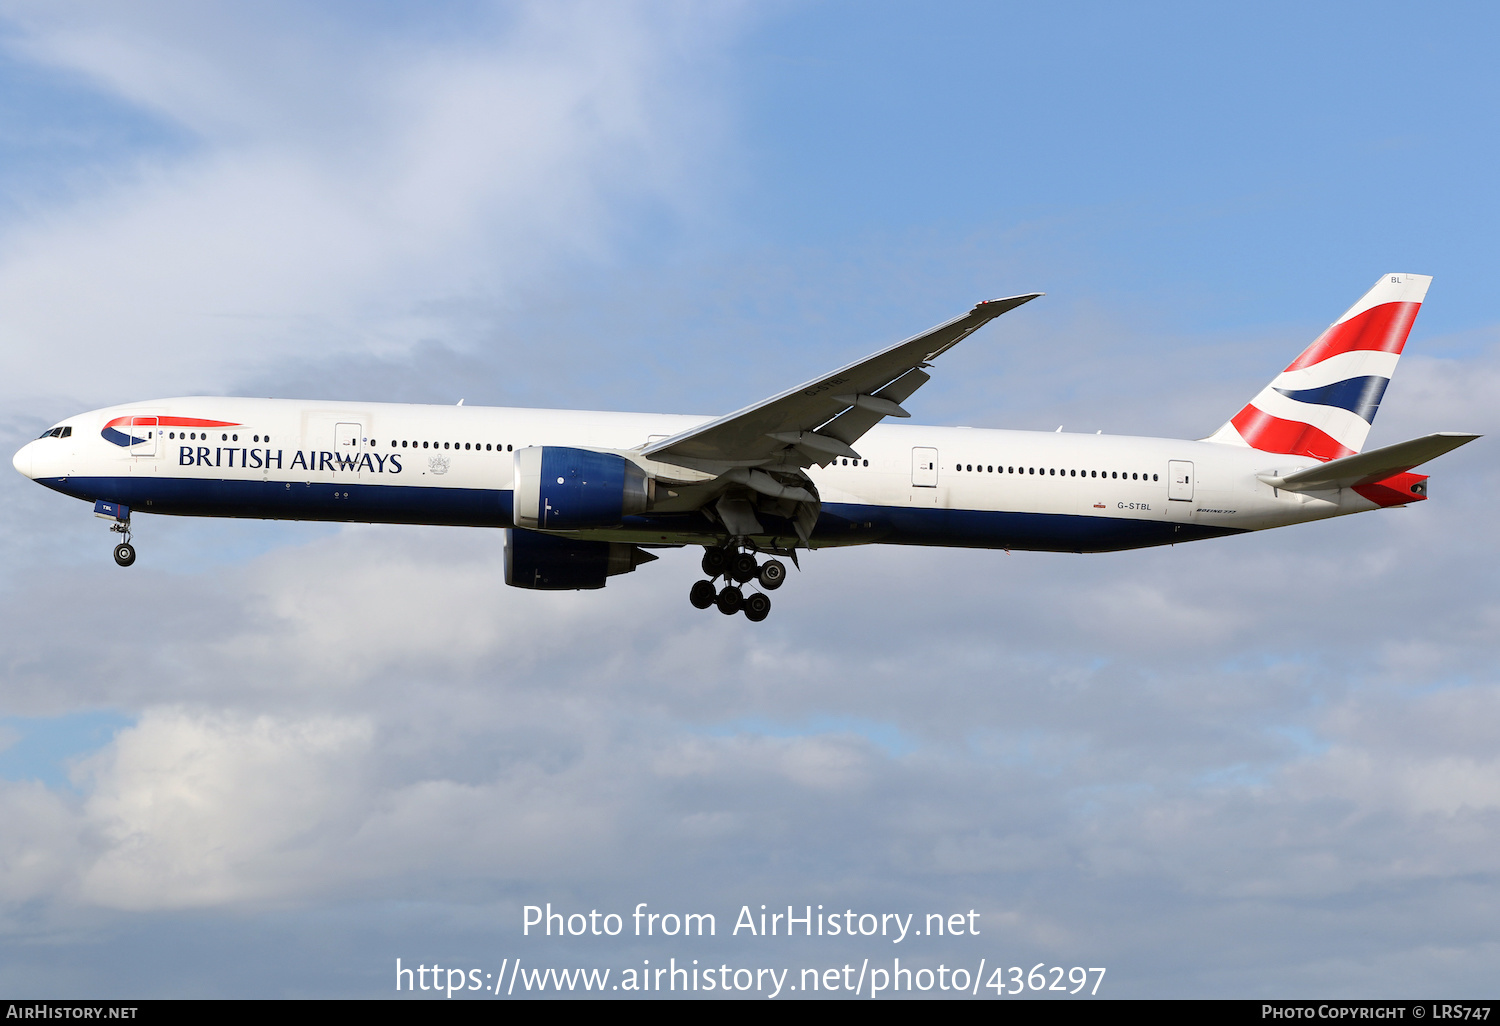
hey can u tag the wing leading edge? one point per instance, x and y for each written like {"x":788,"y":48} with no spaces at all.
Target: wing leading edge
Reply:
{"x":820,"y":420}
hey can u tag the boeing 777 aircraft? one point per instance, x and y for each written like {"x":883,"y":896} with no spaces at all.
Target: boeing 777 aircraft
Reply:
{"x":585,"y":496}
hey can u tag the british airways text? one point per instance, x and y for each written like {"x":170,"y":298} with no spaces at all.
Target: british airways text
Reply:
{"x":220,"y":456}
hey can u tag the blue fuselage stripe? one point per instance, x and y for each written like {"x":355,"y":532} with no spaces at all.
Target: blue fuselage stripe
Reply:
{"x":840,"y":523}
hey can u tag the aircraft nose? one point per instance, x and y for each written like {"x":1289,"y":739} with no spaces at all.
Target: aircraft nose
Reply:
{"x":23,"y":458}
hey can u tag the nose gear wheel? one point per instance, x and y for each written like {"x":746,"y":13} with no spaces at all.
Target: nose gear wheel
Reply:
{"x":124,"y":551}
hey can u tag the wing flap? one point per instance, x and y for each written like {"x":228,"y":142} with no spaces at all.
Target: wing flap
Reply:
{"x":850,"y":425}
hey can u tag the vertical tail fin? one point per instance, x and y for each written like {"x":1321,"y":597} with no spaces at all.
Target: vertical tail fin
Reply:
{"x":1323,"y":404}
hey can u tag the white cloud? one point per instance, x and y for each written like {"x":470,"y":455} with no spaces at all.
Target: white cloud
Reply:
{"x":41,"y":846}
{"x":211,"y":809}
{"x":344,"y":203}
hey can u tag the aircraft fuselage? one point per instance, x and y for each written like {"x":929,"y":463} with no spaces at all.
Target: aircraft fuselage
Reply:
{"x":912,"y":484}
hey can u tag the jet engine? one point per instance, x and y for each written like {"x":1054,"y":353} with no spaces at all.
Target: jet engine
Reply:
{"x":543,"y":562}
{"x":563,"y":489}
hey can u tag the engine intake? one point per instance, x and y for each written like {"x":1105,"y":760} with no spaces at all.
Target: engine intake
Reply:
{"x":542,"y":562}
{"x":562,"y":489}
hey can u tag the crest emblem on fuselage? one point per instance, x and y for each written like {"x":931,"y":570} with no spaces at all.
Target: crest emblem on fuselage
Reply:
{"x":437,"y":464}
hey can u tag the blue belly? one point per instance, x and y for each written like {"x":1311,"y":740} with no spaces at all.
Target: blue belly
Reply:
{"x":840,"y":524}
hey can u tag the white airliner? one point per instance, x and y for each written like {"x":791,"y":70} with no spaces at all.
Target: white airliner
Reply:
{"x":584,"y":496}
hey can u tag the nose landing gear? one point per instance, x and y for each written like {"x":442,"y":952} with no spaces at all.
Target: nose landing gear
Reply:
{"x":737,"y":567}
{"x":120,"y":515}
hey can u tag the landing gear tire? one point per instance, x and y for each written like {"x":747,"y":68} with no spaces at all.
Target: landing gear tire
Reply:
{"x":124,"y":553}
{"x":714,"y":561}
{"x":757,"y":607}
{"x":743,"y":567}
{"x":773,"y":574}
{"x":703,"y":594}
{"x":730,"y":600}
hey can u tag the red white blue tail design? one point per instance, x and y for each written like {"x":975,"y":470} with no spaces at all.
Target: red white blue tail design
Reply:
{"x":1323,"y":404}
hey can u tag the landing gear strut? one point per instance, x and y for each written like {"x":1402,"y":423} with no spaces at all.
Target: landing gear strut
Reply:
{"x":124,"y":552}
{"x":737,"y":567}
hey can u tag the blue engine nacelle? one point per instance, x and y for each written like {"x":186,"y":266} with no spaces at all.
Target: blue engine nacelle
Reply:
{"x":543,"y":562}
{"x":563,"y":489}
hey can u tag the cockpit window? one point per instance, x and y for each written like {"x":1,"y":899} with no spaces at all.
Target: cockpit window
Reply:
{"x":57,"y":432}
{"x":67,"y":432}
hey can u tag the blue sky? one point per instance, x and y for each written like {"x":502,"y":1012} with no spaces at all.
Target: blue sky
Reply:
{"x":279,"y":756}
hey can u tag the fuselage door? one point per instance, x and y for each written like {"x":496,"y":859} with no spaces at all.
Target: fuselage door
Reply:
{"x":1180,"y":480}
{"x":924,"y":468}
{"x":143,"y":432}
{"x":348,"y":446}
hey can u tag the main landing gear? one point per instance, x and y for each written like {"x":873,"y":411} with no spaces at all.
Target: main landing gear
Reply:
{"x":737,"y":567}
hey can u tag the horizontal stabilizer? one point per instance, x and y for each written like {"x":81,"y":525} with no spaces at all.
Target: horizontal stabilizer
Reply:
{"x":1369,"y":467}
